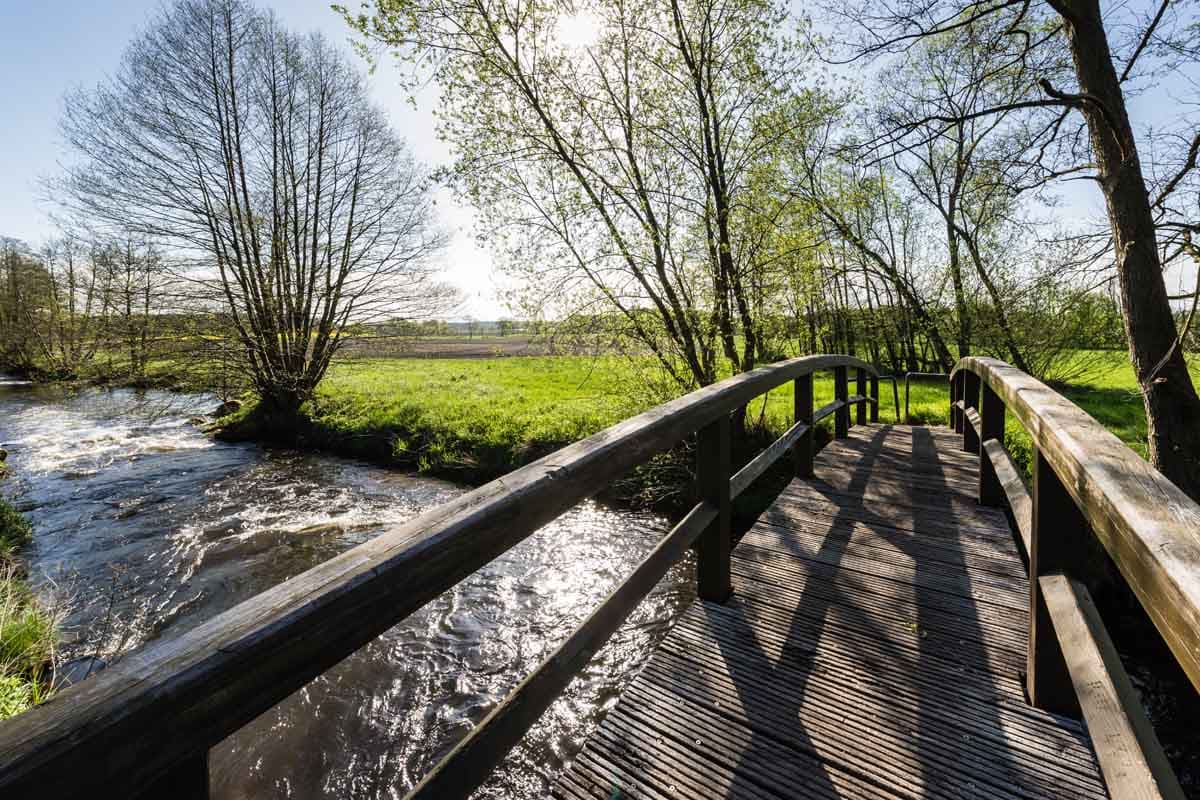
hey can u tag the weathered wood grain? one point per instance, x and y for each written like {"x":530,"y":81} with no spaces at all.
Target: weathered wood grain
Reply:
{"x":1149,"y":527}
{"x":472,"y":760}
{"x":122,"y":729}
{"x":855,"y":658}
{"x":1129,"y":753}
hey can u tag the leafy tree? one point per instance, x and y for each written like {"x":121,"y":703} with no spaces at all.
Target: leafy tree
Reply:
{"x":1148,"y":205}
{"x":613,"y":174}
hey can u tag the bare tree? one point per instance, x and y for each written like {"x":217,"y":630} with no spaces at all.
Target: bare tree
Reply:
{"x":255,"y":157}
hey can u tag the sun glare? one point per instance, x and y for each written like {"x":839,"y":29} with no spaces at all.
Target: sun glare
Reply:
{"x":581,"y":29}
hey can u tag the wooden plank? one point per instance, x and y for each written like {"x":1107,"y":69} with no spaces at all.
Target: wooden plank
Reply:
{"x":854,"y":648}
{"x":803,"y":453}
{"x":971,"y":431}
{"x":811,"y":708}
{"x":973,"y":425}
{"x":827,"y":409}
{"x":713,"y":487}
{"x":1129,"y":753}
{"x":860,"y":397}
{"x":122,"y":729}
{"x":472,"y":760}
{"x":759,"y":464}
{"x":1147,"y":525}
{"x":1059,"y":530}
{"x":188,"y":780}
{"x":841,"y":419}
{"x":1020,"y":501}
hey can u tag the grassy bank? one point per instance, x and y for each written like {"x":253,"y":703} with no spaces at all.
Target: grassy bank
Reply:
{"x":475,"y":419}
{"x":27,"y":631}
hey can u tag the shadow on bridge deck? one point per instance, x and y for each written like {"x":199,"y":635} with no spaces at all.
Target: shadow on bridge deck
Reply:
{"x":873,"y":648}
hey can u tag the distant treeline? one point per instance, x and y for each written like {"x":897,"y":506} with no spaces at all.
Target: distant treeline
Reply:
{"x":113,"y":311}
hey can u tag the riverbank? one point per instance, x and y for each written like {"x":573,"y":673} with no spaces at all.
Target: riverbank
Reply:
{"x":145,"y":527}
{"x":473,"y":420}
{"x":27,"y":629}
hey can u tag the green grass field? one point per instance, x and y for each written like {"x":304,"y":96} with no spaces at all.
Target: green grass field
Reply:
{"x":27,"y":630}
{"x":480,"y":417}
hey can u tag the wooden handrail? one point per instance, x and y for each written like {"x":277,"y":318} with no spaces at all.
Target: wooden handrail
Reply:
{"x":144,"y":725}
{"x":1086,"y":483}
{"x":1131,"y":758}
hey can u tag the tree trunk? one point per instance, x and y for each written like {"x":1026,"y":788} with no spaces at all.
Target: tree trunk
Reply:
{"x":1172,"y":407}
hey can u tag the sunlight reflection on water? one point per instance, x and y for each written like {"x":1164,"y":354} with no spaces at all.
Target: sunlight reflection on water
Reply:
{"x":146,"y":528}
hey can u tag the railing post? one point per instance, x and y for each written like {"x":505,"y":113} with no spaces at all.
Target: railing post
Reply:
{"x":187,"y":780}
{"x":1058,"y":530}
{"x":802,"y":451}
{"x":860,"y":389}
{"x":956,"y":415}
{"x":906,"y":379}
{"x":712,"y":485}
{"x":970,"y":393}
{"x":875,"y":397}
{"x":991,"y":415}
{"x":841,"y":417}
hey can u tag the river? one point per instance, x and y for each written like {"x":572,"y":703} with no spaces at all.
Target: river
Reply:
{"x":144,"y":527}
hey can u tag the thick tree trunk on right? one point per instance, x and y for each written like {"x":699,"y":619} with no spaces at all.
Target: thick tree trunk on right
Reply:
{"x":1172,"y":407}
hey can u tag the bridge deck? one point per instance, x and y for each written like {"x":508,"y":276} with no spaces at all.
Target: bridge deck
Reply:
{"x":873,"y":648}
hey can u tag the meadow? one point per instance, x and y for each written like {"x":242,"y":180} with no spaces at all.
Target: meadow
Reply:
{"x":474,"y":419}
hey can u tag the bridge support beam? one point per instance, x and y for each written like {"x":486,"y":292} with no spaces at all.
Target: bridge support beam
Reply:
{"x":956,"y":419}
{"x":970,"y":398}
{"x":991,"y":415}
{"x":860,"y":389}
{"x":1059,"y":536}
{"x":713,"y":468}
{"x":802,"y":451}
{"x":841,"y":417}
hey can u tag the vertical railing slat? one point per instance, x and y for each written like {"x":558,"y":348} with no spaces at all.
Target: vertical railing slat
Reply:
{"x":841,"y":417}
{"x":970,"y":396}
{"x":956,"y":414}
{"x":860,"y":389}
{"x":802,"y":452}
{"x":1059,"y":530}
{"x":713,"y":468}
{"x":991,"y":415}
{"x":875,"y":397}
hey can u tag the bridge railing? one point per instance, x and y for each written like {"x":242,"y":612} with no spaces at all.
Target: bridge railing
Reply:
{"x":143,"y":727}
{"x":1086,"y":483}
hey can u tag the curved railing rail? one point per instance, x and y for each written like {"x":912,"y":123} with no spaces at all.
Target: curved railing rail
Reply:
{"x":1087,"y":483}
{"x":144,"y":726}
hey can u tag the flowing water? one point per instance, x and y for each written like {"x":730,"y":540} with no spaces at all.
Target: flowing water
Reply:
{"x":145,"y":527}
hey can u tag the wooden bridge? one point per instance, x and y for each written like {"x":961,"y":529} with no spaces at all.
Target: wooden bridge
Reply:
{"x":907,"y":619}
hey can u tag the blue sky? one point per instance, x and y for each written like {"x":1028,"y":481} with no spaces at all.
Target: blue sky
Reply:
{"x":48,"y":47}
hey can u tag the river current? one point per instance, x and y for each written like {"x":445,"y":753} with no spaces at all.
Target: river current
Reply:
{"x":145,"y":527}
